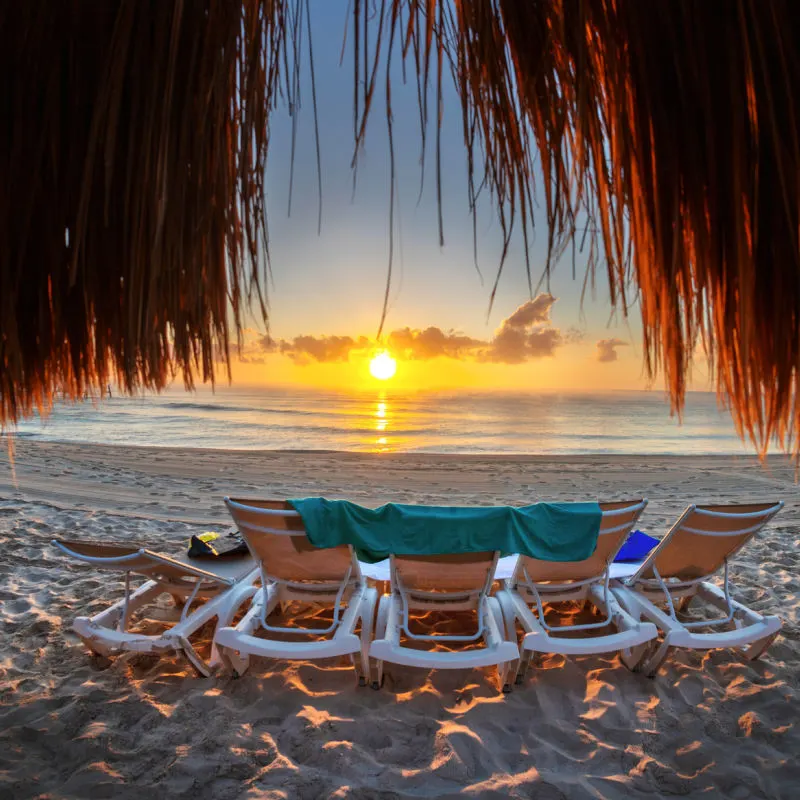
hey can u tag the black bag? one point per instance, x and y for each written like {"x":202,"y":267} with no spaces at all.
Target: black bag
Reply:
{"x":218,"y":546}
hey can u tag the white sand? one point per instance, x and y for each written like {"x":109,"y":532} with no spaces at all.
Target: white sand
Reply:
{"x":70,"y":726}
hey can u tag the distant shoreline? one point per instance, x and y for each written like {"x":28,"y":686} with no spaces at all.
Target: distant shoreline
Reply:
{"x":38,"y":440}
{"x":188,"y":484}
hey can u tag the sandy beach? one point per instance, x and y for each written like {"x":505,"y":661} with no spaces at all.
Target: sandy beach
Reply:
{"x":75,"y":726}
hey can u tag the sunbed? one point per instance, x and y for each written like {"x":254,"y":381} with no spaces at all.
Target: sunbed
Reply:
{"x":699,"y":545}
{"x":220,"y":587}
{"x":442,"y":583}
{"x":537,"y":582}
{"x":292,"y":569}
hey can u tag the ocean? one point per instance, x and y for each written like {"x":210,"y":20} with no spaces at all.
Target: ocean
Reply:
{"x":555,"y":423}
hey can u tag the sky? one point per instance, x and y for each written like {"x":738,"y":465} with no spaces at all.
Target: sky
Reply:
{"x":326,"y":291}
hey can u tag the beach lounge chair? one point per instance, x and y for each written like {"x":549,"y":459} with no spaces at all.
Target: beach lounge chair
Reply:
{"x":536,"y":582}
{"x":292,"y":569}
{"x":699,"y":544}
{"x":221,"y":587}
{"x":442,"y":583}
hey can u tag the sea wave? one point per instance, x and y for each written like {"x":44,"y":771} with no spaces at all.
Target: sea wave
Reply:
{"x":630,"y":422}
{"x":217,"y":408}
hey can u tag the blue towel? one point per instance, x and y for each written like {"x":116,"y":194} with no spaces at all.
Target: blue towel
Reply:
{"x":636,"y":547}
{"x":548,"y":531}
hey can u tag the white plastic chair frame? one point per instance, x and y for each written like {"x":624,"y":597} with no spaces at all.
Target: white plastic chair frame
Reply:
{"x":348,"y":580}
{"x":337,"y":608}
{"x":237,"y":644}
{"x":107,"y":632}
{"x":668,"y":588}
{"x":632,"y":637}
{"x":438,"y":600}
{"x":393,"y":619}
{"x":639,"y":595}
{"x":571,"y":588}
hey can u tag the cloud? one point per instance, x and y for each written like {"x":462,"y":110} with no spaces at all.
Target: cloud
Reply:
{"x":267,"y":344}
{"x":607,"y":349}
{"x":323,"y":349}
{"x":430,"y":343}
{"x":532,"y":312}
{"x":526,"y":334}
{"x":515,"y":345}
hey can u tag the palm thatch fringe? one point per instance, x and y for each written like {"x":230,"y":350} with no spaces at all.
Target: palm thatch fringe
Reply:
{"x":134,"y":149}
{"x":666,"y":133}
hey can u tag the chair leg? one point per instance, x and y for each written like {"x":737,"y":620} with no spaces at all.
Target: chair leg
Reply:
{"x":376,"y":666}
{"x":633,"y":657}
{"x":506,"y":604}
{"x":367,"y":613}
{"x":685,"y":602}
{"x":360,"y":660}
{"x":507,"y":671}
{"x":185,"y":648}
{"x":525,"y":659}
{"x":235,"y":600}
{"x":509,"y":616}
{"x":96,"y":648}
{"x":757,"y":649}
{"x":356,"y":663}
{"x":652,"y":662}
{"x":234,"y":662}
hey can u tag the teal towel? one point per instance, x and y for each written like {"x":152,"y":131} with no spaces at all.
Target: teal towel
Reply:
{"x":547,"y":531}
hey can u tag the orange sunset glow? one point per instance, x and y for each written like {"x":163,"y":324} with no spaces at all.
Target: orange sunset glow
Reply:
{"x":528,"y":346}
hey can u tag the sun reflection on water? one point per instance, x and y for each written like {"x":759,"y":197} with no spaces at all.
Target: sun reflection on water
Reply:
{"x":381,"y":421}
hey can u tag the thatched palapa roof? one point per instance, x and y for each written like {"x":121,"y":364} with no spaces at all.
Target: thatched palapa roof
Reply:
{"x":135,"y":135}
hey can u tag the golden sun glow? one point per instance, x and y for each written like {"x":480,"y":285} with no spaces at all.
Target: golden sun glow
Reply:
{"x":383,"y":366}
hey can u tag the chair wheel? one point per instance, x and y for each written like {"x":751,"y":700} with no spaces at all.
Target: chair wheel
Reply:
{"x":362,"y":681}
{"x":519,"y":680}
{"x":235,"y":675}
{"x":377,"y":684}
{"x":506,"y":688}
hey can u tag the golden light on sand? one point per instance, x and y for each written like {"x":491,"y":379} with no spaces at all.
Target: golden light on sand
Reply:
{"x":383,"y":366}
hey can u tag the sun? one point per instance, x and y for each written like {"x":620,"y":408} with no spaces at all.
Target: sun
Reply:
{"x":383,"y":366}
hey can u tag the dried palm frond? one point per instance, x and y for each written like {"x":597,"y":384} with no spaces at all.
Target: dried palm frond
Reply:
{"x":134,"y":145}
{"x":665,"y":131}
{"x":672,"y":126}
